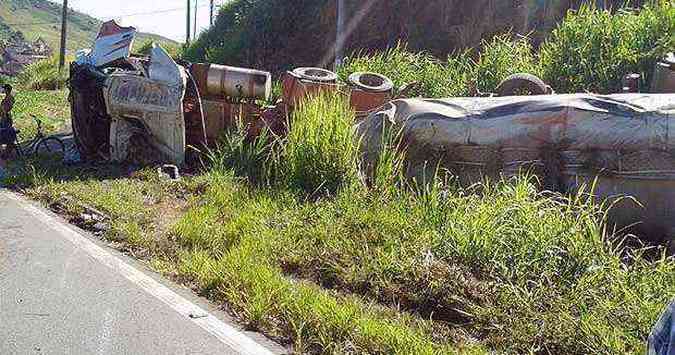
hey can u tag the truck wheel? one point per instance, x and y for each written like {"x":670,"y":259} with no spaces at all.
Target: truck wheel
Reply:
{"x":523,"y":84}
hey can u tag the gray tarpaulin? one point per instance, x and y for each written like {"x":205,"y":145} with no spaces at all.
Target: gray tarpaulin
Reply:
{"x":626,"y":141}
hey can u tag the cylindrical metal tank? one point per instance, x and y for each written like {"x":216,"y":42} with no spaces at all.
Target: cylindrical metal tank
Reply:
{"x":234,"y":82}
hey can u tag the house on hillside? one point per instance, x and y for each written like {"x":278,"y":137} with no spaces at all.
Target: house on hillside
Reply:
{"x":17,"y":53}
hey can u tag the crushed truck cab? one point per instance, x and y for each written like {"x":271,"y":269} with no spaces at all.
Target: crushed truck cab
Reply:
{"x":119,"y":101}
{"x":153,"y":104}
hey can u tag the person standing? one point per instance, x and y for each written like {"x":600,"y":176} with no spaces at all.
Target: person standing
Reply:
{"x":6,"y":107}
{"x":7,"y":131}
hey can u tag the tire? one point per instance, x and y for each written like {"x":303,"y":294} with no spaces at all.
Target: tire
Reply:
{"x":371,"y":82}
{"x":517,"y":84}
{"x":315,"y":74}
{"x":51,"y":146}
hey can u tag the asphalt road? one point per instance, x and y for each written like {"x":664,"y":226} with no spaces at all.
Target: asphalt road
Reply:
{"x":61,"y":292}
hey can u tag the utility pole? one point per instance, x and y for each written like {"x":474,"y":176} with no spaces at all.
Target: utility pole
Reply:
{"x":64,"y":26}
{"x":211,"y":14}
{"x":187,"y":34}
{"x":194,"y":33}
{"x":340,"y":33}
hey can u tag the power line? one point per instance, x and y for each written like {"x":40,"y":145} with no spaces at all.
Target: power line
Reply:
{"x":32,"y":24}
{"x":108,"y":17}
{"x":151,"y":12}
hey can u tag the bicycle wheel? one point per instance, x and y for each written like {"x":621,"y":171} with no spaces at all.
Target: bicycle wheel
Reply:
{"x":18,"y":150}
{"x":51,"y":147}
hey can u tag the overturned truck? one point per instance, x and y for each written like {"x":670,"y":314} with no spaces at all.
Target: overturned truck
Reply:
{"x":126,"y":107}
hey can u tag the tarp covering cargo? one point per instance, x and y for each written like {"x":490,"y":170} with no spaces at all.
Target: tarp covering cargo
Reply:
{"x":626,"y":141}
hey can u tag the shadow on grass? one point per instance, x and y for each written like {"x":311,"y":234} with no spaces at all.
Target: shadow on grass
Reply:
{"x":20,"y":174}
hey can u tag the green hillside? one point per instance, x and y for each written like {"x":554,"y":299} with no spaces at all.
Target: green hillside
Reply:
{"x":41,"y":18}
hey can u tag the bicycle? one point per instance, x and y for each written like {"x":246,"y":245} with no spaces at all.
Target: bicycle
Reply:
{"x":41,"y":144}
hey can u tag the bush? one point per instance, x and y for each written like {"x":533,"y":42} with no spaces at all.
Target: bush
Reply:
{"x":43,"y":75}
{"x":593,"y":49}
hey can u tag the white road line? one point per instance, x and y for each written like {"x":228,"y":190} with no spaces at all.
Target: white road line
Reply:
{"x":227,"y":334}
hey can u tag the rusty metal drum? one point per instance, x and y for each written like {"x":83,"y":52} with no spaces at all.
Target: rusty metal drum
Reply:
{"x":369,"y":91}
{"x":302,"y":83}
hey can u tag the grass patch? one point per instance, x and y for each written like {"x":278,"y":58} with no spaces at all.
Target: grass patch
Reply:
{"x":435,"y":77}
{"x":500,"y":57}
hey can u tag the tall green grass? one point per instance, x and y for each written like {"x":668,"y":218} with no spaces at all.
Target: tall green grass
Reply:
{"x":508,"y":269}
{"x":462,"y":74}
{"x":43,"y":75}
{"x":249,"y":157}
{"x":231,"y":244}
{"x":319,"y":154}
{"x":500,"y":57}
{"x":593,"y":48}
{"x":435,"y":77}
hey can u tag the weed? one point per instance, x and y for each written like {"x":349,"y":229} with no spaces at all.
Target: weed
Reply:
{"x":248,"y":156}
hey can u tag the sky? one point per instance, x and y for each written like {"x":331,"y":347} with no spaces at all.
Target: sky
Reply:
{"x":163,"y":17}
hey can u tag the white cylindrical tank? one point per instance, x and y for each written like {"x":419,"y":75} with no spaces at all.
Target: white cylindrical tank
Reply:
{"x":237,"y":82}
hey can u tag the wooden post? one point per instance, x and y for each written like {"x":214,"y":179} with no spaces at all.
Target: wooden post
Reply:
{"x":64,"y":32}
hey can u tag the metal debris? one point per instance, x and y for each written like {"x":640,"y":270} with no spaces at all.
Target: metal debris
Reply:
{"x":169,"y":172}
